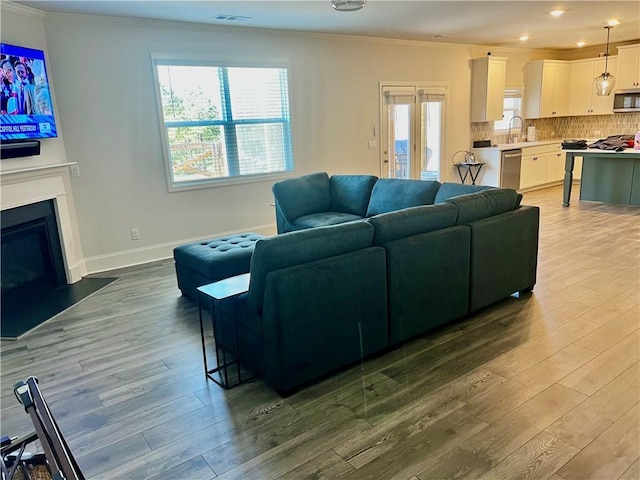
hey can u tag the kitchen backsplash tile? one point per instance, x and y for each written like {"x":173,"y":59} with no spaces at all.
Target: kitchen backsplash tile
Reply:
{"x":569,"y":127}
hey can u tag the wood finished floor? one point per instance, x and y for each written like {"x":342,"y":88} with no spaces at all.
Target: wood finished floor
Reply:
{"x":541,"y":387}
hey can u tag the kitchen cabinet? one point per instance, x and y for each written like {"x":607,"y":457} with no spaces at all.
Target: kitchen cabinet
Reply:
{"x":533,"y":169}
{"x":628,"y":67}
{"x":546,"y":89}
{"x":583,"y":99}
{"x":541,"y":165}
{"x":487,"y":88}
{"x":555,"y":163}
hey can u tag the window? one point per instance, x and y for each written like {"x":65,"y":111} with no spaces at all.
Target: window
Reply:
{"x":511,"y":107}
{"x":223,"y":122}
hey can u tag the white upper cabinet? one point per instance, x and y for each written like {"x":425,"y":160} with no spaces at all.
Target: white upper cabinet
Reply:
{"x":628,"y":67}
{"x":487,"y":88}
{"x":546,"y":89}
{"x":583,"y":99}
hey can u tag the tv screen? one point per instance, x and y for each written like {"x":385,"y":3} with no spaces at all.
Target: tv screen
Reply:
{"x":26,"y":110}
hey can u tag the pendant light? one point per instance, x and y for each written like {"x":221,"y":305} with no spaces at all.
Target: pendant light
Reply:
{"x":347,"y":5}
{"x":605,"y":82}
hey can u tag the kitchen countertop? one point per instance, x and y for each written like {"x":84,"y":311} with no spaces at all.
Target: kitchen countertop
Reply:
{"x":626,"y":151}
{"x":515,"y":146}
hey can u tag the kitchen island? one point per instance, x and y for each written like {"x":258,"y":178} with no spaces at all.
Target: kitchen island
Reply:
{"x":607,"y":176}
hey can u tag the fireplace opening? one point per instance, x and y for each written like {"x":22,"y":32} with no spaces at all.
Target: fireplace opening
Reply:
{"x":31,"y":262}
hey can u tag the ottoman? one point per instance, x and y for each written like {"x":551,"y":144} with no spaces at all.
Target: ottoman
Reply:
{"x":208,"y":261}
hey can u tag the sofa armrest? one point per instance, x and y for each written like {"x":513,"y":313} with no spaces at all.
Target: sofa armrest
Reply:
{"x":303,"y":195}
{"x":504,"y":255}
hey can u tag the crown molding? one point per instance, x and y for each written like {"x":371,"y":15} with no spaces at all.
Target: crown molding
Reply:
{"x":208,"y":27}
{"x":22,"y":10}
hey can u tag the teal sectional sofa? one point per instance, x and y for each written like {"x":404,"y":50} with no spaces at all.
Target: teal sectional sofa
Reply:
{"x":363,"y":265}
{"x":317,"y":200}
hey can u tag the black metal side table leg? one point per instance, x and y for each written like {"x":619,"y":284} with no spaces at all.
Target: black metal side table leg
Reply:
{"x":474,"y":177}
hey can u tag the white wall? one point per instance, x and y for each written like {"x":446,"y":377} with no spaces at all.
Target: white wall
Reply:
{"x":101,"y":69}
{"x":24,"y":26}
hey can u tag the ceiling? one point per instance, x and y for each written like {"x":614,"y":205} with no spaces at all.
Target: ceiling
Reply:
{"x":491,"y":23}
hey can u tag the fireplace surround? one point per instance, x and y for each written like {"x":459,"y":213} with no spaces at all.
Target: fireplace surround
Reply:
{"x":49,"y":183}
{"x":32,"y":261}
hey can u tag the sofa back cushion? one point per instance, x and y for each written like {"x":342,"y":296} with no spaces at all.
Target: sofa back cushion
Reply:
{"x":475,"y":206}
{"x":351,"y":193}
{"x":294,"y":248}
{"x":391,"y":194}
{"x":412,"y":221}
{"x":303,"y":195}
{"x":448,"y":190}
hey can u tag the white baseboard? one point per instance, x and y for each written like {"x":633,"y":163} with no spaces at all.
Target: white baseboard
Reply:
{"x":76,"y":272}
{"x":152,"y":253}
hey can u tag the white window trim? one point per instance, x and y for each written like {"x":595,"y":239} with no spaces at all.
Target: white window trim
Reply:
{"x":157,"y":58}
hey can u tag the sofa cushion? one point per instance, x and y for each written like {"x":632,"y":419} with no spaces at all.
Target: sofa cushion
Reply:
{"x":322,"y":219}
{"x":391,"y":194}
{"x":448,"y":190}
{"x":351,"y":193}
{"x":303,"y":195}
{"x":475,"y":206}
{"x":412,"y":221}
{"x":294,"y":248}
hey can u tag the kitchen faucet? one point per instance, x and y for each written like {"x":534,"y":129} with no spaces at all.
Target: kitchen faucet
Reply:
{"x":509,"y":138}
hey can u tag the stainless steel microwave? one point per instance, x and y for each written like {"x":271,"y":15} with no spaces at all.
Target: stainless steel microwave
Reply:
{"x":626,"y":100}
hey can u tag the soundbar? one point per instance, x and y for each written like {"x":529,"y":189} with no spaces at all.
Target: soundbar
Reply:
{"x":19,"y":149}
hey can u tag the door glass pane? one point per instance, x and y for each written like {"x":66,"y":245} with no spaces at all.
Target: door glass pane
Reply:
{"x":431,"y":140}
{"x":399,"y":141}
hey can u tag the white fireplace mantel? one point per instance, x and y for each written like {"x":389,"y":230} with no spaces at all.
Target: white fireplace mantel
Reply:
{"x":47,"y":182}
{"x":39,"y":168}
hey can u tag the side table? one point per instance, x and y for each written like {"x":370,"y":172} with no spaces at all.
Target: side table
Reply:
{"x":220,"y":296}
{"x":468,"y":168}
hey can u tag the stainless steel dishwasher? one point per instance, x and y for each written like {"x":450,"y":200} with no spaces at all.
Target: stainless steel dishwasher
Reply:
{"x":510,"y":168}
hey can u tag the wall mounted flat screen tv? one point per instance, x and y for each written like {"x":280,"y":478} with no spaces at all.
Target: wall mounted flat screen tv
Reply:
{"x":26,"y":110}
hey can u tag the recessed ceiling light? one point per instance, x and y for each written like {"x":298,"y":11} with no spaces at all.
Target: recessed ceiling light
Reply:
{"x":556,"y":13}
{"x":613,"y":22}
{"x":524,"y":38}
{"x":580,"y":44}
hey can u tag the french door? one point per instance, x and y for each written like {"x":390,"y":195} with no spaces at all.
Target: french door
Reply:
{"x":412,"y":131}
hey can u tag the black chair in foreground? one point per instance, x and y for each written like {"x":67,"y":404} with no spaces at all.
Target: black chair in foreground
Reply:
{"x":60,"y":462}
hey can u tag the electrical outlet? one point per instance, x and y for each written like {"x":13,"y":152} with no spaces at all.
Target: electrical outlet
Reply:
{"x":135,"y":234}
{"x":75,"y":170}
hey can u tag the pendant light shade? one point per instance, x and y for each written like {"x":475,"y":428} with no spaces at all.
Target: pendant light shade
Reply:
{"x":604,"y":83}
{"x":347,"y":5}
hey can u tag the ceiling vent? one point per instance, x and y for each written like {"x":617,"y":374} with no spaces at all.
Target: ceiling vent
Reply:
{"x":231,"y":18}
